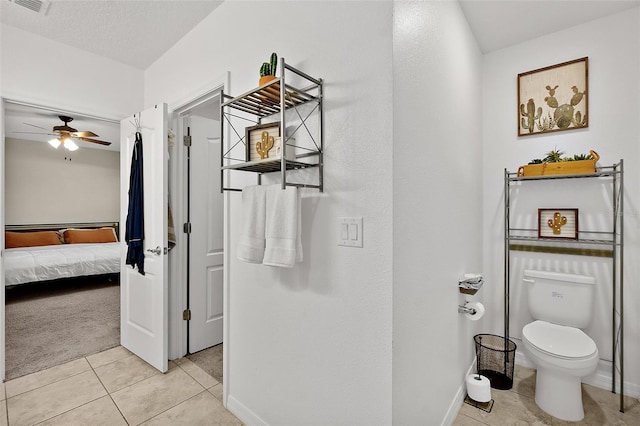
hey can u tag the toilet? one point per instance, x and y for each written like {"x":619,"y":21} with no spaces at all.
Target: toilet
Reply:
{"x":561,"y":305}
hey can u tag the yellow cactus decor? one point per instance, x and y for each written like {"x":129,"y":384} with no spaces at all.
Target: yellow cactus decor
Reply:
{"x":557,"y":223}
{"x":265,"y":144}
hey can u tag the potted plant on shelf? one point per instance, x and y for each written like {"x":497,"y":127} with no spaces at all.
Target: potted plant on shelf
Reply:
{"x":554,"y":163}
{"x":268,"y":70}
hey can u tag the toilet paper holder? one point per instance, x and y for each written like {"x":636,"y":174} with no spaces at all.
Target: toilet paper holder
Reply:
{"x":464,"y":309}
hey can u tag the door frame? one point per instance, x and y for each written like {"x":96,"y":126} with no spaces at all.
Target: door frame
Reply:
{"x":44,"y":106}
{"x":177,"y":182}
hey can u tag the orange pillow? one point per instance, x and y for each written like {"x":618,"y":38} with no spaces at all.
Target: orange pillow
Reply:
{"x":101,"y":235}
{"x":31,"y":239}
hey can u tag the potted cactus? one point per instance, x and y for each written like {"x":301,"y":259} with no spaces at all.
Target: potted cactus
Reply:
{"x":268,"y":70}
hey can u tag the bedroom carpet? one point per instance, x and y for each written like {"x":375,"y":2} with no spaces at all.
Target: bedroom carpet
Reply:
{"x":48,"y":324}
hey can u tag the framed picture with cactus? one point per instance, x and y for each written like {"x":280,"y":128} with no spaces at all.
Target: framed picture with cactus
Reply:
{"x":554,"y":98}
{"x":558,"y":223}
{"x":261,"y":141}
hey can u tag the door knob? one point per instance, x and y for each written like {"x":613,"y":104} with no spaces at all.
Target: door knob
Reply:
{"x":157,"y":251}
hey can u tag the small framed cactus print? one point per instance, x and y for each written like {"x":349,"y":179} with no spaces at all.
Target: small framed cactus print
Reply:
{"x":554,"y":98}
{"x":260,"y":141}
{"x":558,"y":223}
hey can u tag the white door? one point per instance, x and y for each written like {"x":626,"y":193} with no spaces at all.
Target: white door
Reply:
{"x":206,"y":239}
{"x":144,"y":298}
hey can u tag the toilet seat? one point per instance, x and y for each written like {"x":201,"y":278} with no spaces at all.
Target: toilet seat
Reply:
{"x":559,"y":341}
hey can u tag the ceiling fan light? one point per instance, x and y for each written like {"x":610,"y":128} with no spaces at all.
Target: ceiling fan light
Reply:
{"x":55,"y":142}
{"x":70,"y":145}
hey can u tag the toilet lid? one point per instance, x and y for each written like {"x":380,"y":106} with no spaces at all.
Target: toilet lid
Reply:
{"x":559,"y":340}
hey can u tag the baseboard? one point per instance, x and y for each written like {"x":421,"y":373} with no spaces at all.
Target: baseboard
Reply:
{"x":600,"y":379}
{"x":247,"y":416}
{"x":458,"y":400}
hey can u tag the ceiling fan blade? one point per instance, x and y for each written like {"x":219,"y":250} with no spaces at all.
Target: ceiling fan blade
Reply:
{"x":94,"y":141}
{"x":87,"y":134}
{"x":38,"y":133}
{"x":33,"y":125}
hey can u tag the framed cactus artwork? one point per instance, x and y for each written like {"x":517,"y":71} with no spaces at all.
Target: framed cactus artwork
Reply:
{"x":558,"y":223}
{"x":554,"y":98}
{"x":260,"y":141}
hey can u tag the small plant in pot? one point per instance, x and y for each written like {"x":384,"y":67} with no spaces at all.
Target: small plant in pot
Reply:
{"x":268,"y":70}
{"x":556,"y":156}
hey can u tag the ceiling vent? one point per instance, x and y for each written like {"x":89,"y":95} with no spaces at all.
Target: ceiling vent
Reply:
{"x":39,"y":6}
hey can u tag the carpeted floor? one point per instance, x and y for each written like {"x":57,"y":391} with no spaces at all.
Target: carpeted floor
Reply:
{"x":48,"y":324}
{"x":210,"y":360}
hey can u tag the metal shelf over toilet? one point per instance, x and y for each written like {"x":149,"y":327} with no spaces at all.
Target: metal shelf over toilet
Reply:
{"x":299,"y":108}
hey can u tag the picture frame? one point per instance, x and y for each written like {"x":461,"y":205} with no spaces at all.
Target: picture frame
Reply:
{"x":253,"y":135}
{"x":554,"y":98}
{"x":558,"y":223}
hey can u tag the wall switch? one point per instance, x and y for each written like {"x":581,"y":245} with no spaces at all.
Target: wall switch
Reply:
{"x":350,"y":231}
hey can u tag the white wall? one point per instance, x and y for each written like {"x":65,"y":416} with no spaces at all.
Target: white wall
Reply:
{"x":43,"y":186}
{"x":437,"y":206}
{"x":613,"y":47}
{"x":311,"y":345}
{"x":44,"y":72}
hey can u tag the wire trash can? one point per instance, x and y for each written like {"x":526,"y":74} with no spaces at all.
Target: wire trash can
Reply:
{"x":495,"y":358}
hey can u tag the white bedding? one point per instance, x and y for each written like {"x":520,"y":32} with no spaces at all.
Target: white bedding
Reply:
{"x":29,"y":264}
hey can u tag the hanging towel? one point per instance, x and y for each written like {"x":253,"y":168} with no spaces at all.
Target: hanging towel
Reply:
{"x":134,"y":232}
{"x":251,"y":244}
{"x":283,"y":246}
{"x":171,"y":231}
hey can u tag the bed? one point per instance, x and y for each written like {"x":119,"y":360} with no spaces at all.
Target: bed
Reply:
{"x":51,"y":252}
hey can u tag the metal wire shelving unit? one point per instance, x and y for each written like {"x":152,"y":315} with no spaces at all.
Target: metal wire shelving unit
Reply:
{"x":301,"y":107}
{"x":600,"y":243}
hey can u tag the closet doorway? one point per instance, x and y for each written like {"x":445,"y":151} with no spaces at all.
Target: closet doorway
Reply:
{"x":199,"y":128}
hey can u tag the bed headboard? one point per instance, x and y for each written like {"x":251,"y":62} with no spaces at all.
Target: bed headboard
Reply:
{"x":58,"y":226}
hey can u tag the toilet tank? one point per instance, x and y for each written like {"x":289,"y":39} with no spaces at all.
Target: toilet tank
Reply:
{"x":564,"y":299}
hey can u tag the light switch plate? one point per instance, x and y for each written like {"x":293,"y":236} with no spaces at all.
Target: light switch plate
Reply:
{"x":350,"y":231}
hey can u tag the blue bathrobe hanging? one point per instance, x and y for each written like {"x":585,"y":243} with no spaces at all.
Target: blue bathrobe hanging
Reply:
{"x":134,"y":233}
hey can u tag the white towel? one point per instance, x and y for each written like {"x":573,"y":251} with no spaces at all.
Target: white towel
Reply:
{"x":283,"y":225}
{"x":252,"y":240}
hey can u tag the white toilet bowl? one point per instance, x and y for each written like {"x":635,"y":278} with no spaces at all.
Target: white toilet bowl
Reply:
{"x":562,"y":355}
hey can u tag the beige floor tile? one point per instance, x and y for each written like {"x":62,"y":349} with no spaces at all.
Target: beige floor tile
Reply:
{"x":101,"y":412}
{"x":53,"y":399}
{"x":216,"y":391}
{"x":202,"y":409}
{"x":462,"y":420}
{"x":4,"y":421}
{"x":524,"y":381}
{"x":508,"y":408}
{"x":197,"y":373}
{"x":155,"y":395}
{"x":3,"y":392}
{"x":108,"y":356}
{"x":41,"y":378}
{"x":124,"y":372}
{"x":603,"y":409}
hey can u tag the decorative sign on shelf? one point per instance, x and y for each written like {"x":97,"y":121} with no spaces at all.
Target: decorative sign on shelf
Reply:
{"x":260,"y":140}
{"x":558,"y":223}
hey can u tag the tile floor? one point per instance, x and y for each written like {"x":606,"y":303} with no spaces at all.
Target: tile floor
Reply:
{"x":111,"y":388}
{"x":517,"y":407}
{"x":115,"y":387}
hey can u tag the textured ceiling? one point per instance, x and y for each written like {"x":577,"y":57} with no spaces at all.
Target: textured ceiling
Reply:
{"x":132,"y":32}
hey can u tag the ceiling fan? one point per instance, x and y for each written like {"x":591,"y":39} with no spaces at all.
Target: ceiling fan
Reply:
{"x":65,"y":134}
